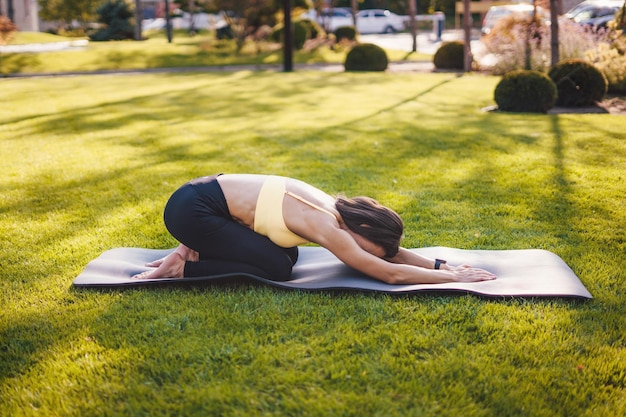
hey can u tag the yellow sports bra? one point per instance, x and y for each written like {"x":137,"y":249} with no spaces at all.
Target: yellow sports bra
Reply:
{"x":268,"y":217}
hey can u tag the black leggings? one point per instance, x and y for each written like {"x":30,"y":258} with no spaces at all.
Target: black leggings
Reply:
{"x":197,"y":216}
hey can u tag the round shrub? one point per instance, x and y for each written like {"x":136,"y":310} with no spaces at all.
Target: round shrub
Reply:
{"x":366,"y":57}
{"x":578,"y":83}
{"x":345,"y":32}
{"x":450,"y":55}
{"x":525,"y":91}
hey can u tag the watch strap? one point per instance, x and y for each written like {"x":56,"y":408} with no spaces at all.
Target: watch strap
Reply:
{"x":439,"y":262}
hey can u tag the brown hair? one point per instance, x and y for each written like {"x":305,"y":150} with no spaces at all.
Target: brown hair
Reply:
{"x":375,"y":222}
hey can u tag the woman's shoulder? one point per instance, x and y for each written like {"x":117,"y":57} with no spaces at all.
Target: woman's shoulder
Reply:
{"x":297,"y":185}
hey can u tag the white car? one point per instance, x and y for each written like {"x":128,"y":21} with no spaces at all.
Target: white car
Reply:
{"x":379,"y":21}
{"x":367,"y":21}
{"x":332,"y":19}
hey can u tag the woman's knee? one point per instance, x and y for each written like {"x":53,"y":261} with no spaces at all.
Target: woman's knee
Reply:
{"x":279,"y":268}
{"x":292,"y":253}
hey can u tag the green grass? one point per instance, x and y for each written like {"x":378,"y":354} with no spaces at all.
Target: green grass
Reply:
{"x":88,"y":163}
{"x":155,"y":52}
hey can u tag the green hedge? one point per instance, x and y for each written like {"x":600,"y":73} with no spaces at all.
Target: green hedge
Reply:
{"x":366,"y":57}
{"x":525,"y":91}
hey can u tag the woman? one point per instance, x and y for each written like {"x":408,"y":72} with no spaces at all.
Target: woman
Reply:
{"x":243,"y":223}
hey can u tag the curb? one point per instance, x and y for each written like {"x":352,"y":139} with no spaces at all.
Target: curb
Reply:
{"x":394,"y":67}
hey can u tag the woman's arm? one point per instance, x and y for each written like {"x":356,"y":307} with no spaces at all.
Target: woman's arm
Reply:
{"x":408,"y":257}
{"x":416,"y":269}
{"x":404,"y":268}
{"x":462,"y":273}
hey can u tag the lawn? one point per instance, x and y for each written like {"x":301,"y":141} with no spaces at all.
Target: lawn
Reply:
{"x":89,"y":161}
{"x":201,"y":50}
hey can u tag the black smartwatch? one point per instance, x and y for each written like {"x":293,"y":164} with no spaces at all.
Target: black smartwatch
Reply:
{"x":439,"y":262}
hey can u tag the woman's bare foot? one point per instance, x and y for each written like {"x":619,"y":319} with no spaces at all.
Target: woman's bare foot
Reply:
{"x":172,"y":266}
{"x":182,"y":250}
{"x":157,"y":263}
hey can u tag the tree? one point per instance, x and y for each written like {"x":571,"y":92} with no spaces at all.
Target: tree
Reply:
{"x":467,"y":29}
{"x":413,"y":23}
{"x":138,"y":19}
{"x":554,"y":32}
{"x":531,"y":34}
{"x":249,"y":15}
{"x":68,"y":11}
{"x":116,"y":15}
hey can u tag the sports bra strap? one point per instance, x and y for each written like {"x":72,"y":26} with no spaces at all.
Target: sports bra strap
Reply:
{"x":310,"y":204}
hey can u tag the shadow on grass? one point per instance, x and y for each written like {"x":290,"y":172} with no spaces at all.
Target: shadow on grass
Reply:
{"x":344,"y":152}
{"x":119,"y":60}
{"x":402,"y":141}
{"x":15,"y":63}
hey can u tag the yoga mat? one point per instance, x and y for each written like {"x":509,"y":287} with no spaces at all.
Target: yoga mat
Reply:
{"x":521,"y":273}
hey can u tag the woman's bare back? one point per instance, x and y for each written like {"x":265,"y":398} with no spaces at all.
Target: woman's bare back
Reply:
{"x":242,"y":192}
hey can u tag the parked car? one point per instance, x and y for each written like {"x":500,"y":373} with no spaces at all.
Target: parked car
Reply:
{"x":331,"y":19}
{"x":367,"y":21}
{"x":379,"y":21}
{"x":595,"y":13}
{"x":200,"y":21}
{"x":495,"y":13}
{"x":600,"y":22}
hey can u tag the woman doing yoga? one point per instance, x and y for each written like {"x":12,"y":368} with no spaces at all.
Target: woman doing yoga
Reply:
{"x":244,"y":223}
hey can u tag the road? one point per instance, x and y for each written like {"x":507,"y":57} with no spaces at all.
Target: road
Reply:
{"x":426,"y":41}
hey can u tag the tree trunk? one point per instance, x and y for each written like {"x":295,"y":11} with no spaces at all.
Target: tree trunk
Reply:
{"x":412,"y":23}
{"x":288,"y":38}
{"x":192,"y":28}
{"x":138,"y":19}
{"x":467,"y":28}
{"x":554,"y":32}
{"x":530,"y":33}
{"x":168,"y":22}
{"x":10,"y":11}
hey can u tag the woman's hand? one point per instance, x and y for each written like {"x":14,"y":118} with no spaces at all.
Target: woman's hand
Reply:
{"x":172,"y":266}
{"x":466,"y":273}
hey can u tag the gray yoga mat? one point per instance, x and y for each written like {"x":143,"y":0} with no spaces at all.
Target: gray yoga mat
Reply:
{"x":521,"y":273}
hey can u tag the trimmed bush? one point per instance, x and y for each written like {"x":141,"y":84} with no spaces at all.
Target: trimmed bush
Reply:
{"x":366,"y":57}
{"x":345,"y":32}
{"x":449,"y":55}
{"x":578,"y":83}
{"x":525,"y":91}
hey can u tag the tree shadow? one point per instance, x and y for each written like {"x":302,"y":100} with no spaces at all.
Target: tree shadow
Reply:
{"x":409,"y":142}
{"x":16,"y":63}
